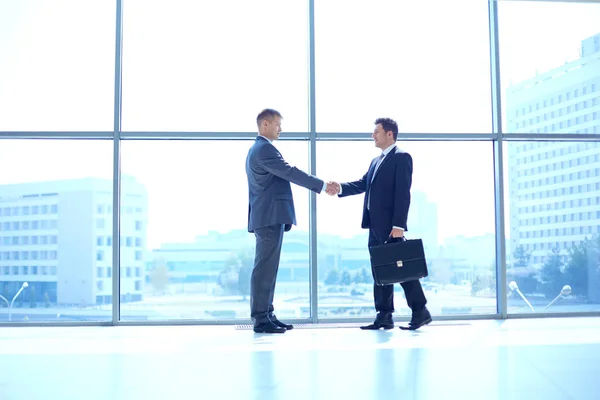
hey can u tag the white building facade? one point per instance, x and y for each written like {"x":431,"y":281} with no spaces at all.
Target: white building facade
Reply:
{"x":57,"y":236}
{"x":554,"y":187}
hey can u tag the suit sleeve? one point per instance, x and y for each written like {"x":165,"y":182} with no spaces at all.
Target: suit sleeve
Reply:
{"x":403,"y":177}
{"x":272,"y":161}
{"x":356,"y":187}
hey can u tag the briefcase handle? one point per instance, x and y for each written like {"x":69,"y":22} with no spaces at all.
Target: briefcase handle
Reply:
{"x":395,"y":240}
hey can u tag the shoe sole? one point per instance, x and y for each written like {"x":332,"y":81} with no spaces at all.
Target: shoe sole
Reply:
{"x":263,"y":331}
{"x":412,"y":328}
{"x":384,"y":327}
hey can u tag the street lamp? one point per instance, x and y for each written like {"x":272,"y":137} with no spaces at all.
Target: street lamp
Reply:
{"x":513,"y":286}
{"x":565,"y":291}
{"x":4,"y":298}
{"x":23,"y":286}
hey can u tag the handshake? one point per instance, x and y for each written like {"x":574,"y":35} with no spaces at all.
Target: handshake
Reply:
{"x":333,"y":188}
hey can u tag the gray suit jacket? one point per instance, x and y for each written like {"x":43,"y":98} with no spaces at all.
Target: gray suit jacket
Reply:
{"x":269,"y":189}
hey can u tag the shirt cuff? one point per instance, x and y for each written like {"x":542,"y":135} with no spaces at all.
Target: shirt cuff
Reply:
{"x":397,"y":227}
{"x":324,"y":187}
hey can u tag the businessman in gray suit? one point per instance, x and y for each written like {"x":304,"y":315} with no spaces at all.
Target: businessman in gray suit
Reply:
{"x":270,"y":214}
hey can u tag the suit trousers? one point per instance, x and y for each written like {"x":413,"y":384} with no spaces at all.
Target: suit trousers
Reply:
{"x":384,"y":295}
{"x":264,"y":275}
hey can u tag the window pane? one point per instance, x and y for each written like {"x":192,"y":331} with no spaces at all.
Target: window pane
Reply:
{"x":553,"y":225}
{"x":210,"y":69}
{"x":48,"y":211}
{"x":196,"y":253}
{"x":550,"y":67}
{"x":57,"y":69}
{"x":452,"y":210}
{"x":404,"y":60}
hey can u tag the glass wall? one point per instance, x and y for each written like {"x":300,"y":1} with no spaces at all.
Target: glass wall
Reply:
{"x":192,"y":79}
{"x":400,"y":58}
{"x":553,"y":226}
{"x":550,"y":67}
{"x":58,"y":65}
{"x":185,"y":248}
{"x":199,"y":66}
{"x":55,"y":233}
{"x":550,"y":78}
{"x":453,"y":217}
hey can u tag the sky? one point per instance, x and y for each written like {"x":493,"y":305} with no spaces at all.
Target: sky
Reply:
{"x":196,"y":66}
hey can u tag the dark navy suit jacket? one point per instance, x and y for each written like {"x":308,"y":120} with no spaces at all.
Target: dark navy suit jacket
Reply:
{"x":269,"y":189}
{"x":389,"y":191}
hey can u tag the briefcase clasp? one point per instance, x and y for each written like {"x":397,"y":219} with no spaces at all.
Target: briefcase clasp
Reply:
{"x":399,"y":264}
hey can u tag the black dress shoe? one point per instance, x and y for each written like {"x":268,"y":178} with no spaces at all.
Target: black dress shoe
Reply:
{"x":268,"y":327}
{"x":288,"y":327}
{"x":379,"y":324}
{"x":418,"y":320}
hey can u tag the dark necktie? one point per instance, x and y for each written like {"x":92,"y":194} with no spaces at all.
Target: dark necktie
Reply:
{"x":379,"y":161}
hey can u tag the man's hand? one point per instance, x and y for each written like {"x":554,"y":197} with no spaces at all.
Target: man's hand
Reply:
{"x":333,"y":188}
{"x":397,"y":233}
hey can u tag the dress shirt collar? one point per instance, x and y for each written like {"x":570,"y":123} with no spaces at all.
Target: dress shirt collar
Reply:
{"x":387,"y":150}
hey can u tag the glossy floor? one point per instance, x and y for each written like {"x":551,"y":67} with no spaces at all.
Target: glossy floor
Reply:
{"x":513,"y":359}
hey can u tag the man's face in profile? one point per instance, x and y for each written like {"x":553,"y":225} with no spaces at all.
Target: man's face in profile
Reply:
{"x":382,"y":139}
{"x":272,"y":127}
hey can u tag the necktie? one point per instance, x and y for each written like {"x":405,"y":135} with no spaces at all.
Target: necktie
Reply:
{"x":379,"y":160}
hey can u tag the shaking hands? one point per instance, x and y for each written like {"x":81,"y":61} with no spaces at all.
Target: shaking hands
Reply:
{"x":333,"y":188}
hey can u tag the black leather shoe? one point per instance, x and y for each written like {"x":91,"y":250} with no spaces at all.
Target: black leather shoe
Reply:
{"x":379,"y":324}
{"x":268,"y":327}
{"x":288,"y":327}
{"x":418,"y":320}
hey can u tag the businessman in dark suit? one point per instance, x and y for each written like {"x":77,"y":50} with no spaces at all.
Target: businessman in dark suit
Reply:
{"x":270,"y":214}
{"x":385,"y":211}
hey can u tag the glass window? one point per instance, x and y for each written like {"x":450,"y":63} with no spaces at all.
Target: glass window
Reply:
{"x":542,"y":267}
{"x":198,"y":254}
{"x":452,"y":211}
{"x":431,"y":74}
{"x":210,"y":69}
{"x":542,"y":55}
{"x":57,"y":70}
{"x":68,"y":284}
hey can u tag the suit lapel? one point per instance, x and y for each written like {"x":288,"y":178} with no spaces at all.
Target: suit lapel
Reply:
{"x":385,"y":160}
{"x":371,"y":171}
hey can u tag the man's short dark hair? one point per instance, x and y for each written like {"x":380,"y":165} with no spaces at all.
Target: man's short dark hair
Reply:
{"x":267,"y":113}
{"x":388,"y":124}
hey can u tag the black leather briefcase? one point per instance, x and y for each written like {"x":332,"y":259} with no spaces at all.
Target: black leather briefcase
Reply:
{"x":398,"y":261}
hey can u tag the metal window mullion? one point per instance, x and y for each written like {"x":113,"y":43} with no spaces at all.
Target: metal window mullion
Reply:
{"x":73,"y":135}
{"x":410,"y":136}
{"x":312,"y":207}
{"x":116,"y":245}
{"x":174,"y":135}
{"x":496,"y":103}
